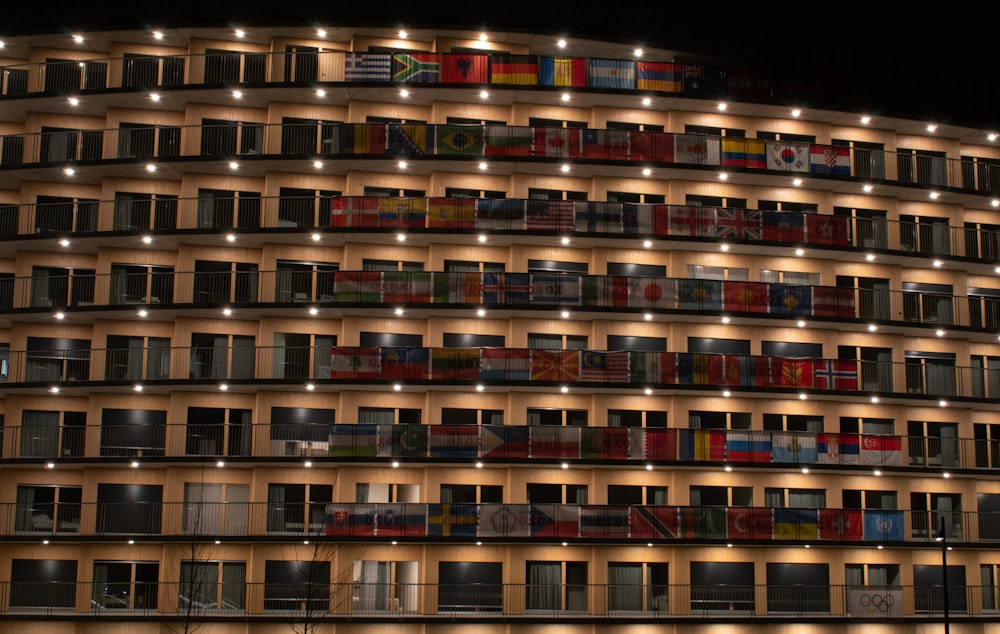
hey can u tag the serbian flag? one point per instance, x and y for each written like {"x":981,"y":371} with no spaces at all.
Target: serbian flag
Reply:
{"x":750,"y":523}
{"x":748,"y":446}
{"x":465,"y":68}
{"x":661,"y":444}
{"x":506,"y":364}
{"x":354,"y":363}
{"x":651,"y":146}
{"x":555,"y":365}
{"x":838,"y":448}
{"x":604,"y":443}
{"x":833,"y":301}
{"x":796,"y":372}
{"x":521,"y":70}
{"x":602,"y":367}
{"x":745,"y":297}
{"x":787,"y":157}
{"x":551,"y":441}
{"x":658,"y":76}
{"x":829,"y":159}
{"x":823,"y":229}
{"x":570,"y":72}
{"x":796,"y":523}
{"x":840,"y":524}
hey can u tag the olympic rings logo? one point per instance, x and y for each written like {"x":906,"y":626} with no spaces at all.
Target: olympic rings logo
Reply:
{"x":875,"y":602}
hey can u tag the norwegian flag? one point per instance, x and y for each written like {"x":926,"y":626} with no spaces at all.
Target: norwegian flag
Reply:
{"x":836,"y":374}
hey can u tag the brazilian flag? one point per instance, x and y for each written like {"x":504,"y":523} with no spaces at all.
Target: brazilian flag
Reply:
{"x":459,"y":139}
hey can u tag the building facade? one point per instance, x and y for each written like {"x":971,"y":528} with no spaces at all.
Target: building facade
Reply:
{"x":323,"y":331}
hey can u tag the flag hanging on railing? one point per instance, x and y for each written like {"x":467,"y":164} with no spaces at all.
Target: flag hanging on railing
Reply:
{"x":601,"y":217}
{"x":451,"y":213}
{"x":452,"y":520}
{"x":519,"y":70}
{"x":830,"y":159}
{"x":367,"y":67}
{"x":616,"y":74}
{"x":745,"y":297}
{"x":748,"y":153}
{"x":465,"y":68}
{"x":355,"y":363}
{"x":407,"y":139}
{"x":555,"y":365}
{"x":651,"y":146}
{"x":455,"y":364}
{"x":787,"y":156}
{"x":601,"y":366}
{"x":500,"y":213}
{"x":793,"y":447}
{"x":697,"y":149}
{"x":570,"y":72}
{"x":749,"y":523}
{"x":658,"y":76}
{"x":838,"y":448}
{"x":502,"y":140}
{"x":454,"y":441}
{"x":796,"y":524}
{"x":420,"y":68}
{"x":458,"y":140}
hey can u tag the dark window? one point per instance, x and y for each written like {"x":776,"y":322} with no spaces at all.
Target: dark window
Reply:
{"x":701,"y":419}
{"x":133,"y":432}
{"x":777,"y":205}
{"x":928,"y":581}
{"x":723,"y":346}
{"x":868,"y":158}
{"x":553,"y":266}
{"x":390,"y":192}
{"x":697,"y":200}
{"x":636,"y":270}
{"x":301,"y":424}
{"x":470,"y":586}
{"x":633,"y":127}
{"x":722,"y":585}
{"x":129,"y":508}
{"x":301,"y":63}
{"x":386,"y":339}
{"x":466,"y":416}
{"x":468,"y":121}
{"x":540,"y":122}
{"x":458,"y":192}
{"x":57,"y":359}
{"x":928,"y":303}
{"x":297,"y":586}
{"x":456,"y":340}
{"x":704,"y":129}
{"x":535,"y":193}
{"x":798,"y":588}
{"x":634,"y":198}
{"x":870,"y":228}
{"x":43,"y":583}
{"x":215,"y":431}
{"x":649,"y":344}
{"x":791,"y":349}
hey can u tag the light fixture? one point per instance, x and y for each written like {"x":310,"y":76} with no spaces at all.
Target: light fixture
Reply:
{"x":800,"y":251}
{"x":995,"y":202}
{"x":399,"y":312}
{"x":483,"y":37}
{"x":564,"y":389}
{"x":310,"y":387}
{"x":479,"y":465}
{"x":2,"y":44}
{"x":865,"y":120}
{"x":726,"y":393}
{"x":60,"y":315}
{"x":402,"y":165}
{"x":872,"y":327}
{"x":945,"y":475}
{"x":803,"y":396}
{"x":647,"y":243}
{"x":69,"y":171}
{"x":646,"y":171}
{"x":877,"y":472}
{"x":728,"y":468}
{"x":233,"y":165}
{"x":939,"y":332}
{"x":157,"y":35}
{"x":51,"y":465}
{"x":320,"y":92}
{"x":230,"y":237}
{"x":801,"y":323}
{"x":723,"y":176}
{"x":64,"y":242}
{"x":807,"y":545}
{"x":137,"y":388}
{"x":648,"y":391}
{"x":317,"y":164}
{"x":796,"y":112}
{"x":565,"y":96}
{"x":313,"y":311}
{"x":74,"y":101}
{"x":561,"y":43}
{"x":320,"y":32}
{"x":874,"y":400}
{"x":54,"y":389}
{"x":805,"y":470}
{"x":868,"y":189}
{"x":401,"y":237}
{"x":131,"y":542}
{"x":316,"y":237}
{"x":723,"y":247}
{"x":870,"y":257}
{"x":564,"y":465}
{"x":395,"y":464}
{"x":154,"y":96}
{"x":78,"y":38}
{"x":227,"y":311}
{"x":726,"y":319}
{"x":942,"y":403}
{"x":481,"y":312}
{"x":722,"y":106}
{"x":646,"y":101}
{"x":397,"y":387}
{"x":150,"y":167}
{"x":797,"y":182}
{"x":484,"y":94}
{"x":880,"y":547}
{"x":237,"y":94}
{"x":142,"y":313}
{"x":932,"y":127}
{"x":482,"y":238}
{"x":564,"y":314}
{"x":404,"y":93}
{"x":480,"y":388}
{"x":934,"y":195}
{"x":240,"y":33}
{"x":564,"y":240}
{"x":729,"y":545}
{"x":135,"y":464}
{"x":647,"y":316}
{"x":649,"y":467}
{"x":484,"y":166}
{"x":402,"y":35}
{"x":223,"y":387}
{"x":307,"y":464}
{"x":564,"y":168}
{"x":937,"y":263}
{"x":989,"y":137}
{"x":637,"y":52}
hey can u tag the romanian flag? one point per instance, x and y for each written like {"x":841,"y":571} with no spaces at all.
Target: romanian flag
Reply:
{"x":354,"y":363}
{"x":555,"y":365}
{"x":455,"y":364}
{"x":363,"y":138}
{"x":452,"y":520}
{"x":520,"y":70}
{"x":502,"y":140}
{"x":570,"y":72}
{"x":796,"y":523}
{"x":658,"y":76}
{"x":465,"y":68}
{"x":451,"y":213}
{"x":416,"y":68}
{"x":461,"y":140}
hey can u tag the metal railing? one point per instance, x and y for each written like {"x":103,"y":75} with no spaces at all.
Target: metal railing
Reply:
{"x":320,"y":600}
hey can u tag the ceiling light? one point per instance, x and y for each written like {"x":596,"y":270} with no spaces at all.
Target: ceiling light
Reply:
{"x":722,"y":106}
{"x":399,"y":312}
{"x":2,"y":44}
{"x":64,"y":242}
{"x":310,"y":387}
{"x":321,"y":93}
{"x":157,"y":35}
{"x":868,"y":189}
{"x":564,"y":389}
{"x":805,"y":470}
{"x":875,"y":400}
{"x":317,"y":164}
{"x":565,"y":96}
{"x":728,"y":468}
{"x":646,"y":101}
{"x":313,"y":311}
{"x":872,"y":327}
{"x":797,"y":182}
{"x":237,"y":94}
{"x":150,"y":167}
{"x":51,"y":465}
{"x":316,"y":237}
{"x":484,"y":94}
{"x":564,"y":168}
{"x":401,"y":237}
{"x":723,"y":176}
{"x":939,"y":332}
{"x":649,"y":467}
{"x":227,"y":311}
{"x":942,"y":403}
{"x":137,"y":388}
{"x":937,"y":263}
{"x":796,"y":112}
{"x":404,"y":93}
{"x":395,"y":464}
{"x":54,"y":389}
{"x":397,"y":387}
{"x":223,"y":387}
{"x":648,"y":391}
{"x":484,"y":166}
{"x":78,"y":38}
{"x":230,"y":237}
{"x":932,"y":127}
{"x":479,"y":465}
{"x":800,"y":251}
{"x":320,"y":32}
{"x":727,"y":393}
{"x":801,"y":323}
{"x":565,"y":240}
{"x":995,"y":202}
{"x":723,"y":247}
{"x":870,"y":257}
{"x":564,"y":314}
{"x":480,"y":388}
{"x":60,"y":315}
{"x":561,"y":43}
{"x":307,"y":464}
{"x":637,"y":52}
{"x":481,"y":312}
{"x":803,"y":396}
{"x":989,"y":137}
{"x":877,"y":472}
{"x":482,"y":37}
{"x":233,"y":165}
{"x":402,"y":165}
{"x":73,"y":101}
{"x":402,"y":35}
{"x":726,"y":319}
{"x":865,"y":120}
{"x":646,"y":171}
{"x":565,"y":465}
{"x":240,"y":33}
{"x":647,"y":316}
{"x":482,"y":238}
{"x":647,"y":243}
{"x":154,"y":96}
{"x":142,"y":313}
{"x":946,"y":475}
{"x":135,"y":464}
{"x":935,"y":195}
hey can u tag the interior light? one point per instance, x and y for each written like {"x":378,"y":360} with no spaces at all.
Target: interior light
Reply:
{"x":480,"y":388}
{"x":565,"y":96}
{"x":727,"y":393}
{"x":51,"y":465}
{"x":402,"y":165}
{"x":60,"y":315}
{"x":939,"y":333}
{"x":404,"y":93}
{"x":564,"y":465}
{"x":800,"y":251}
{"x":726,"y":319}
{"x":797,"y":182}
{"x":875,"y":400}
{"x":647,"y":243}
{"x":317,"y":164}
{"x":73,"y":101}
{"x":482,"y":238}
{"x":723,"y":247}
{"x":943,"y":403}
{"x":150,"y":167}
{"x":54,"y":389}
{"x":564,"y":389}
{"x":484,"y":94}
{"x":932,"y":127}
{"x":307,"y":464}
{"x":137,"y":388}
{"x":237,"y":94}
{"x":564,"y":168}
{"x":135,"y":464}
{"x":646,"y":171}
{"x":937,"y":263}
{"x":321,"y":93}
{"x":649,"y":467}
{"x":230,"y":237}
{"x":995,"y":202}
{"x":803,"y":396}
{"x":637,"y":52}
{"x":321,"y":32}
{"x":868,"y":189}
{"x":233,"y":165}
{"x":402,"y":35}
{"x":313,"y":311}
{"x":872,"y":327}
{"x":395,"y":464}
{"x":310,"y":387}
{"x":805,"y":470}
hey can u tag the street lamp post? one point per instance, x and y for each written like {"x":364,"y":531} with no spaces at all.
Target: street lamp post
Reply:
{"x":943,"y":538}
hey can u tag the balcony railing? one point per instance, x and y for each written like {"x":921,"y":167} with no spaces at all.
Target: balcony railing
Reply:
{"x":134,"y":143}
{"x":328,"y":286}
{"x":317,"y":601}
{"x":450,"y":366}
{"x":498,"y":522}
{"x":499,"y":443}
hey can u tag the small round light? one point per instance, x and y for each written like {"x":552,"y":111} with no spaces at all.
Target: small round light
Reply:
{"x":157,"y":35}
{"x":565,"y":314}
{"x":872,"y":327}
{"x":942,"y":403}
{"x":723,"y":247}
{"x":877,"y":472}
{"x":78,"y":38}
{"x":230,"y":237}
{"x":480,"y":388}
{"x":865,"y":120}
{"x":401,"y":237}
{"x":479,"y":465}
{"x":482,"y":238}
{"x":564,"y":168}
{"x":646,"y":101}
{"x":637,"y":52}
{"x":316,"y":237}
{"x":648,"y":316}
{"x":137,"y":388}
{"x":796,"y":112}
{"x":484,"y":166}
{"x":399,"y":312}
{"x":481,"y":312}
{"x":564,"y":389}
{"x":565,"y":96}
{"x":561,"y":43}
{"x":220,"y":463}
{"x":233,"y":165}
{"x":404,"y":93}
{"x":227,"y":311}
{"x":60,"y":315}
{"x":564,"y":465}
{"x":64,"y":242}
{"x":932,"y":127}
{"x":801,"y":323}
{"x":803,"y":396}
{"x":402,"y":165}
{"x":321,"y":93}
{"x":868,"y":188}
{"x":484,"y":94}
{"x":991,"y":136}
{"x":937,"y":263}
{"x":946,"y":475}
{"x":154,"y":96}
{"x":939,"y":332}
{"x":722,"y":106}
{"x":307,"y":464}
{"x":649,"y":467}
{"x":934,"y":195}
{"x":397,"y":387}
{"x":727,"y":393}
{"x":879,"y":547}
{"x":647,"y":243}
{"x":317,"y":164}
{"x":723,"y":176}
{"x":483,"y":37}
{"x":402,"y":35}
{"x":54,"y":389}
{"x":223,"y":387}
{"x":646,"y":171}
{"x":805,"y":470}
{"x":875,"y":400}
{"x":237,"y":94}
{"x":320,"y":32}
{"x":797,"y":182}
{"x":995,"y":202}
{"x":729,"y":545}
{"x":150,"y":167}
{"x":51,"y":465}
{"x":131,"y":541}
{"x":69,"y":171}
{"x":648,"y":391}
{"x":870,"y":257}
{"x":800,"y":252}
{"x":313,"y":311}
{"x":310,"y":387}
{"x":135,"y":464}
{"x":395,"y":464}
{"x":240,"y":33}
{"x":726,"y":319}
{"x":565,"y":240}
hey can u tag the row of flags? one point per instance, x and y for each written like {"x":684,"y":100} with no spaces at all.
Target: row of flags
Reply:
{"x":408,"y":67}
{"x":517,"y":214}
{"x":611,"y":291}
{"x":613,"y":443}
{"x":591,"y":366}
{"x":420,"y":139}
{"x":613,"y":522}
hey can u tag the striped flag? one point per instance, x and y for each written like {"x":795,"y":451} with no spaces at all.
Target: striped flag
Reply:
{"x":658,"y":76}
{"x":618,"y":74}
{"x":599,"y":366}
{"x":354,"y":363}
{"x":514,"y":69}
{"x":416,"y":68}
{"x":368,"y":67}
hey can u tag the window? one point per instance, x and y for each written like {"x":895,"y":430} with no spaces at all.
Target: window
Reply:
{"x":798,"y":588}
{"x":932,"y":512}
{"x":469,"y":266}
{"x":43,"y":583}
{"x":699,"y":419}
{"x":982,"y":240}
{"x":143,"y":71}
{"x":125,"y":585}
{"x":802,"y":278}
{"x":458,"y":340}
{"x":876,"y":366}
{"x":928,"y":303}
{"x":68,"y":75}
{"x":545,"y":341}
{"x":719,"y":346}
{"x":556,"y":493}
{"x":465,"y":416}
{"x":786,"y":136}
{"x":987,"y":439}
{"x":535,"y":193}
{"x":65,"y":144}
{"x":927,"y":586}
{"x":646,"y":344}
{"x":554,"y":585}
{"x":558,"y":417}
{"x":930,"y":373}
{"x":302,"y":136}
{"x":627,"y":580}
{"x":135,"y":358}
{"x":290,"y":505}
{"x":470,"y":586}
{"x":388,"y":416}
{"x":384,"y":585}
{"x":876,"y":500}
{"x":136,"y":141}
{"x":636,"y":270}
{"x":870,"y":227}
{"x":722,"y":586}
{"x":225,"y":139}
{"x":701,"y":272}
{"x":721,"y":496}
{"x":61,"y":287}
{"x":141,"y":284}
{"x":48,"y":509}
{"x":142,"y":212}
{"x":636,"y":418}
{"x":777,"y":205}
{"x":216,"y":509}
{"x":300,"y":431}
{"x":297,"y":281}
{"x":216,"y":431}
{"x":637,"y":495}
{"x":297,"y":585}
{"x":302,"y":356}
{"x":777,"y":498}
{"x":224,"y":282}
{"x":984,"y":308}
{"x":988,"y":581}
{"x":541,"y":122}
{"x":385,"y":493}
{"x":633,"y":127}
{"x":52,"y":434}
{"x":705,"y":129}
{"x":305,"y":207}
{"x":379,"y":339}
{"x":933,"y":443}
{"x":212,"y":585}
{"x":390,"y":265}
{"x":129,"y":508}
{"x":791,"y":349}
{"x":57,"y":359}
{"x":215,"y":356}
{"x":233,"y":67}
{"x":471,"y":494}
{"x":629,"y":197}
{"x":922,"y":166}
{"x":133,"y":432}
{"x":458,"y":192}
{"x":868,"y":158}
{"x":375,"y":119}
{"x":924,"y":234}
{"x":812,"y":423}
{"x":392,"y":192}
{"x":555,"y":266}
{"x":873,"y":295}
{"x":875,"y":426}
{"x":873,"y":588}
{"x":698,"y":200}
{"x":225,"y":209}
{"x":468,"y":121}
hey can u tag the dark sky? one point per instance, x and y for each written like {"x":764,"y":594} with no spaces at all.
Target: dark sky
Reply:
{"x":938,"y":66}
